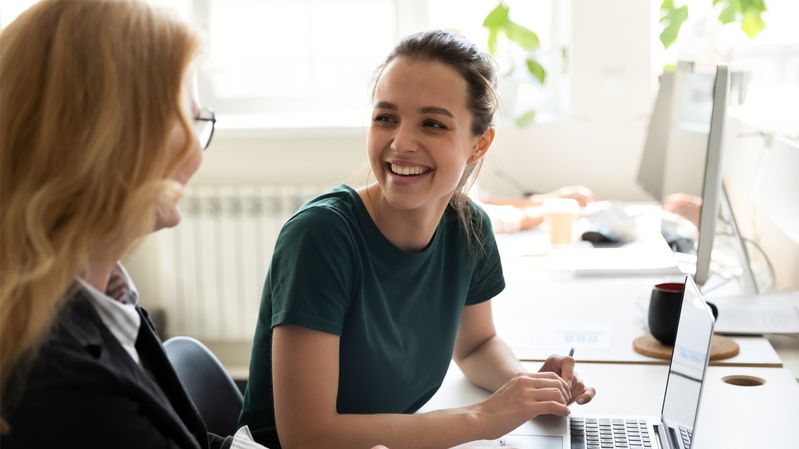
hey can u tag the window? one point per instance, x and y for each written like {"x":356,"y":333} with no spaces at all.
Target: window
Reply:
{"x":769,"y":61}
{"x":293,"y":63}
{"x":310,"y":63}
{"x":517,"y":87}
{"x":10,"y":9}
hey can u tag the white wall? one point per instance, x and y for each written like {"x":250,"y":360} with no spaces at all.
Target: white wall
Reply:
{"x":254,"y":157}
{"x":760,"y":177}
{"x":598,"y":144}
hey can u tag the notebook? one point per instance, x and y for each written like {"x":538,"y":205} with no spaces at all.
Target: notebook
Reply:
{"x":772,"y":313}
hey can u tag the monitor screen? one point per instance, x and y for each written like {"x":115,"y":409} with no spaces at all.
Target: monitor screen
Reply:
{"x":650,"y":169}
{"x":688,"y":366}
{"x":681,"y":162}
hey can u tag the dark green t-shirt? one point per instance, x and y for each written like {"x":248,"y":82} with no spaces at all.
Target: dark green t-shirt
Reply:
{"x":396,"y":312}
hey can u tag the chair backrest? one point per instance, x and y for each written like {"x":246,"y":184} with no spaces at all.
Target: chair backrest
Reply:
{"x":208,"y":384}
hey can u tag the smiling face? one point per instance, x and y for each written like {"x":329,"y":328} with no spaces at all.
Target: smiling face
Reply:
{"x":420,"y":139}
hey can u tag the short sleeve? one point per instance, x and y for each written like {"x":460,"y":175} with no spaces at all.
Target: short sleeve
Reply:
{"x":487,"y":278}
{"x":310,"y":277}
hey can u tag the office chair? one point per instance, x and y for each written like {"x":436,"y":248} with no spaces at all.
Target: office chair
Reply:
{"x":211,"y":388}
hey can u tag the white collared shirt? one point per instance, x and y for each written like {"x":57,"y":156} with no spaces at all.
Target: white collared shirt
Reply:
{"x":122,"y":319}
{"x":118,"y":315}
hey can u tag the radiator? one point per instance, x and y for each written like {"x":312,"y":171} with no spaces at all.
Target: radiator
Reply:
{"x":212,"y":266}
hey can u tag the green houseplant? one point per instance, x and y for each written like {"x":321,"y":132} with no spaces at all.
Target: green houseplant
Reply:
{"x":748,"y":13}
{"x":500,"y":26}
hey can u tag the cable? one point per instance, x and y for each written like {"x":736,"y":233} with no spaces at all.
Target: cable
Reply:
{"x":768,"y":282}
{"x":772,"y":274}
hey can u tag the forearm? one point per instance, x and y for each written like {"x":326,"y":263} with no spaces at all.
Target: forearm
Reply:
{"x":435,"y":430}
{"x":516,"y":202}
{"x":533,"y":216}
{"x":491,"y":365}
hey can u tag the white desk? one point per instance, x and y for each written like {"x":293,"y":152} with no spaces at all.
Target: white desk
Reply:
{"x":787,"y":347}
{"x":730,"y":416}
{"x":543,"y":311}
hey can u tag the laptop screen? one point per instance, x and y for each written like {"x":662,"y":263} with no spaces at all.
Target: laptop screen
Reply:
{"x":688,"y":366}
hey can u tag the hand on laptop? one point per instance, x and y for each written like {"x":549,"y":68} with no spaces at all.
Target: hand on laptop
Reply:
{"x":563,"y":366}
{"x":524,"y":397}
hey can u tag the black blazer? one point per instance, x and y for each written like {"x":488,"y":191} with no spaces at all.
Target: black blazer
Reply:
{"x":83,"y":390}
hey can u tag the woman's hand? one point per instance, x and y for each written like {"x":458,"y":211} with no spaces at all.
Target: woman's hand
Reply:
{"x":688,"y":206}
{"x":563,"y":366}
{"x":522,"y":398}
{"x":582,"y":194}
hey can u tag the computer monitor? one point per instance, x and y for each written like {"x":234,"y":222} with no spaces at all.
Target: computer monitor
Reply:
{"x":711,"y":185}
{"x":682,"y":153}
{"x":650,"y":169}
{"x":675,"y":151}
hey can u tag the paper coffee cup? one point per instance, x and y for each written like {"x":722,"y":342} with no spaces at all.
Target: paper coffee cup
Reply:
{"x":559,"y":215}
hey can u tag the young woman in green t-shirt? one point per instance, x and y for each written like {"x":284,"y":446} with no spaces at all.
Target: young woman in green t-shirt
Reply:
{"x":371,"y":292}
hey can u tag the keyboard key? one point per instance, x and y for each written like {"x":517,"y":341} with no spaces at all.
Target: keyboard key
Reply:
{"x":606,"y":433}
{"x":577,"y":444}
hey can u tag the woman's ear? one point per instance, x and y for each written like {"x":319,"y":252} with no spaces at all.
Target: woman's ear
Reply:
{"x":482,"y":145}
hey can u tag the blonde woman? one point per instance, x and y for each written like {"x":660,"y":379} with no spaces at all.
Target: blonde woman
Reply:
{"x":99,"y":131}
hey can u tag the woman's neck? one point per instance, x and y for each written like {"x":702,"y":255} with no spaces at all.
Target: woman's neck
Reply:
{"x":101,"y":265}
{"x":409,"y":230}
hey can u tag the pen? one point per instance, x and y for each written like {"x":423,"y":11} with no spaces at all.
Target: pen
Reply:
{"x":571,"y":354}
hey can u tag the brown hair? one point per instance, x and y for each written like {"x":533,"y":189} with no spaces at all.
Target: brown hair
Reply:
{"x":478,"y":69}
{"x":89,"y":92}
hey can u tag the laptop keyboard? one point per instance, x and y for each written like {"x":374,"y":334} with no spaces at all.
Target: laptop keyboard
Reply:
{"x":592,"y":433}
{"x":686,"y":436}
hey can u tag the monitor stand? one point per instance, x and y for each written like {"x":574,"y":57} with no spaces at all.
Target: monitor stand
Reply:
{"x":727,"y":217}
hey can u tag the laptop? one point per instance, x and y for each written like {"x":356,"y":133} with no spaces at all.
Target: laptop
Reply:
{"x":673,"y":429}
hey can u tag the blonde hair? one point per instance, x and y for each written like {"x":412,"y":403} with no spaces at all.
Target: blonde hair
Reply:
{"x":89,"y":93}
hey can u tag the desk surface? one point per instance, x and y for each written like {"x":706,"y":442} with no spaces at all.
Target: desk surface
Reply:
{"x":730,"y":416}
{"x":787,"y":347}
{"x":542,"y":312}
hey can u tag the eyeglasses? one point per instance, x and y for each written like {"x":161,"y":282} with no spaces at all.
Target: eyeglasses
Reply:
{"x":204,"y":124}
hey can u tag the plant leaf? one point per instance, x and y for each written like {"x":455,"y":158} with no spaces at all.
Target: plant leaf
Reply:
{"x":669,"y":35}
{"x":497,"y":17}
{"x":536,"y":69}
{"x":752,"y":23}
{"x":672,"y":19}
{"x":727,"y":14}
{"x":747,"y":12}
{"x":492,"y":41}
{"x":525,"y":119}
{"x":523,"y":36}
{"x":757,"y":5}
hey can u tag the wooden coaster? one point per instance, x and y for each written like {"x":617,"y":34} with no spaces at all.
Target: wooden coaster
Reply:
{"x":721,"y":347}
